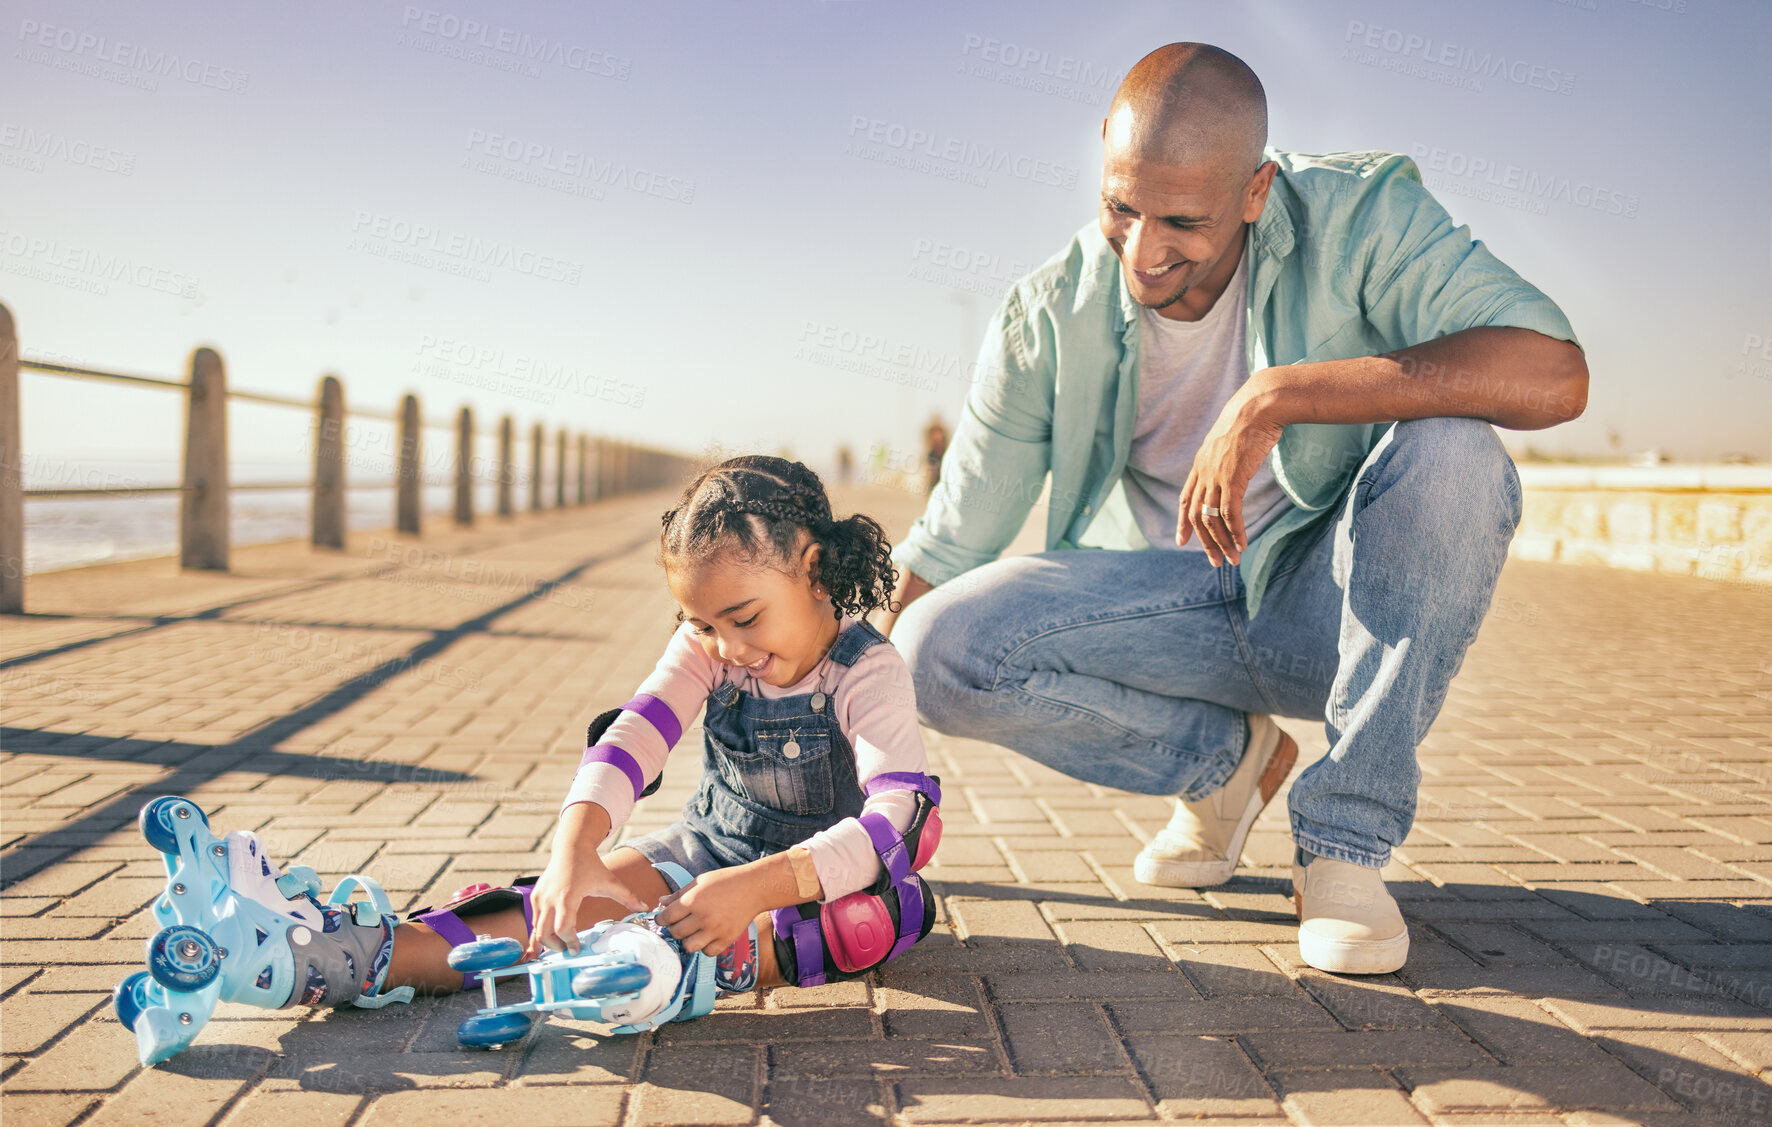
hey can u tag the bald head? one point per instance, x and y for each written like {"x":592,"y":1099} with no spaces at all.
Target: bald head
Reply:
{"x":1191,"y":105}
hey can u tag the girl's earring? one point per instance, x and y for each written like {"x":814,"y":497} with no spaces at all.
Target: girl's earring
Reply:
{"x":818,"y":592}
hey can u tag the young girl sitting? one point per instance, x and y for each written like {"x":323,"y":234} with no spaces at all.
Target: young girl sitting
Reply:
{"x":813,"y":811}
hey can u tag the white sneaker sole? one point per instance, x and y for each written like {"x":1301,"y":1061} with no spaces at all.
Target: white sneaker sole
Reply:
{"x":1354,"y":956}
{"x":1200,"y":874}
{"x":1206,"y":874}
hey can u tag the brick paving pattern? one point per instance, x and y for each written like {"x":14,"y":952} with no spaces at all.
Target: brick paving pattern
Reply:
{"x":1589,"y":883}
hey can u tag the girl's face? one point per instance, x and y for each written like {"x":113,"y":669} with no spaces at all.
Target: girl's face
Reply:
{"x":757,"y":617}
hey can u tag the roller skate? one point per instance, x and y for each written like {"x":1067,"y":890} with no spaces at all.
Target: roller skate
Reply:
{"x":631,"y":974}
{"x":234,"y":928}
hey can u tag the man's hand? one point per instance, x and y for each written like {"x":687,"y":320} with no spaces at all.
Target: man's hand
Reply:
{"x":1227,"y":460}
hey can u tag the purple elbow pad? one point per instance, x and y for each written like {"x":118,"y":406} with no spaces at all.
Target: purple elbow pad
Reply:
{"x":904,"y":780}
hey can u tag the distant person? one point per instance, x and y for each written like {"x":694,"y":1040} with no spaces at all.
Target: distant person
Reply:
{"x":793,"y":864}
{"x":845,"y":465}
{"x":935,"y":446}
{"x":1279,"y":361}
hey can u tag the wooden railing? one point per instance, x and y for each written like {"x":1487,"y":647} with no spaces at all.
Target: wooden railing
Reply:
{"x":606,"y":467}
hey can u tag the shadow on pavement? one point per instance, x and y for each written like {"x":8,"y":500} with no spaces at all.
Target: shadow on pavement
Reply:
{"x":1547,"y":1003}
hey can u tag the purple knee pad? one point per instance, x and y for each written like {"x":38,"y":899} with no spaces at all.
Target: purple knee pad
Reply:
{"x":475,"y":900}
{"x":851,"y":935}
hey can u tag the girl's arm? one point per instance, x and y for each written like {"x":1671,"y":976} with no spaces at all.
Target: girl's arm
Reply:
{"x":715,"y":910}
{"x":575,"y":871}
{"x":876,"y":707}
{"x":632,"y":751}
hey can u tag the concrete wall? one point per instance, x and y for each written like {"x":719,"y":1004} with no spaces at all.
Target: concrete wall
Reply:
{"x":1709,"y":521}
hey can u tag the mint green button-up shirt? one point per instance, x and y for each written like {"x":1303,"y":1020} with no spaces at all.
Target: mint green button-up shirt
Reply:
{"x":1351,"y":257}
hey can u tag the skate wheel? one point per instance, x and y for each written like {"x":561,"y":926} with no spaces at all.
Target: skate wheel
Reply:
{"x":485,"y":954}
{"x":610,"y":979}
{"x":160,"y":818}
{"x":486,"y":1029}
{"x":183,"y":958}
{"x":131,"y":998}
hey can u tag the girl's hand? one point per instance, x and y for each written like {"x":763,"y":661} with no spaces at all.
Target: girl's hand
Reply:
{"x":713,"y":911}
{"x":574,"y":872}
{"x":563,"y":886}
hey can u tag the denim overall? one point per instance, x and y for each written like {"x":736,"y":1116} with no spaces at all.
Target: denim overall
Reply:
{"x":774,"y":772}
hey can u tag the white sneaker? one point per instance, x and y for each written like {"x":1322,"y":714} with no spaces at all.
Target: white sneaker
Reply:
{"x":1204,"y":839}
{"x":1348,"y":922}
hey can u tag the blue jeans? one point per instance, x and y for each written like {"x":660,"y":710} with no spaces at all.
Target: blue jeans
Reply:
{"x":1135,"y":669}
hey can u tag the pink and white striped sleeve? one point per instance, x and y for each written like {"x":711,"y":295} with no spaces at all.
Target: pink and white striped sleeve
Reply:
{"x":632,"y":750}
{"x":877,"y":710}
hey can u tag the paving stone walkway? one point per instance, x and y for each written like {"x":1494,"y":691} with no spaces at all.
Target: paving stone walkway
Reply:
{"x":1589,"y":884}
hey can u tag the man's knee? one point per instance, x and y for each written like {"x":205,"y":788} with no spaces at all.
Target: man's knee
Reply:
{"x":926,"y":635}
{"x":911,"y":633}
{"x":1463,"y":469}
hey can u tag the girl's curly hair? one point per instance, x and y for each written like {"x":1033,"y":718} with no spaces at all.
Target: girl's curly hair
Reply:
{"x":756,"y":505}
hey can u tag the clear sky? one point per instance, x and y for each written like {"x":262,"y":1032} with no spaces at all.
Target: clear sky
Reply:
{"x":784,"y":224}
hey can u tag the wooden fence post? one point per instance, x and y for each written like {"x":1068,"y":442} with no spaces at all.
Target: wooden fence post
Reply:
{"x":507,"y":469}
{"x":12,"y":473}
{"x":582,"y":483}
{"x":535,"y":458}
{"x":408,"y":506}
{"x":464,"y":473}
{"x":560,"y":470}
{"x":203,"y":506}
{"x":327,"y":520}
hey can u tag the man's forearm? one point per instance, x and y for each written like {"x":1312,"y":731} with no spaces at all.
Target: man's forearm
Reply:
{"x":911,"y":587}
{"x":1514,"y":378}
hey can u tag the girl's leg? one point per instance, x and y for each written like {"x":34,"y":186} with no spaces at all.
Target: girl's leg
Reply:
{"x":421,"y":956}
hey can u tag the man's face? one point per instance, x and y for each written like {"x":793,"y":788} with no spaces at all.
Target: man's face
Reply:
{"x":1177,"y":229}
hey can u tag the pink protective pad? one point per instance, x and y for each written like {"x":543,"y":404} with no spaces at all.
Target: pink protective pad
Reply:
{"x":467,"y":892}
{"x":928,"y":839}
{"x":858,"y":931}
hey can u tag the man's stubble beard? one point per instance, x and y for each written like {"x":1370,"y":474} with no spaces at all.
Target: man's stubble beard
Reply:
{"x":1179,"y":294}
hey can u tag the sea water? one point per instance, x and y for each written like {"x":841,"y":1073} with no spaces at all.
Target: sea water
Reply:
{"x":80,"y":531}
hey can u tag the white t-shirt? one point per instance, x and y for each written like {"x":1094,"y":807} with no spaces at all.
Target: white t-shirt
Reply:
{"x":1187,"y":372}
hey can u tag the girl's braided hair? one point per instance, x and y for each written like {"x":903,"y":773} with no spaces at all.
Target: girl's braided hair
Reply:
{"x":756,"y":505}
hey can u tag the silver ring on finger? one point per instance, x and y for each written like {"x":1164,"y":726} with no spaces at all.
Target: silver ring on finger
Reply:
{"x":1208,"y":510}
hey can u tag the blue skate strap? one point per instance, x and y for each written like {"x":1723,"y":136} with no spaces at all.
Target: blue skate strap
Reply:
{"x":701,"y":996}
{"x":368,"y":913}
{"x":674,"y":874}
{"x":300,"y":880}
{"x":695,"y":990}
{"x":694,"y":996}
